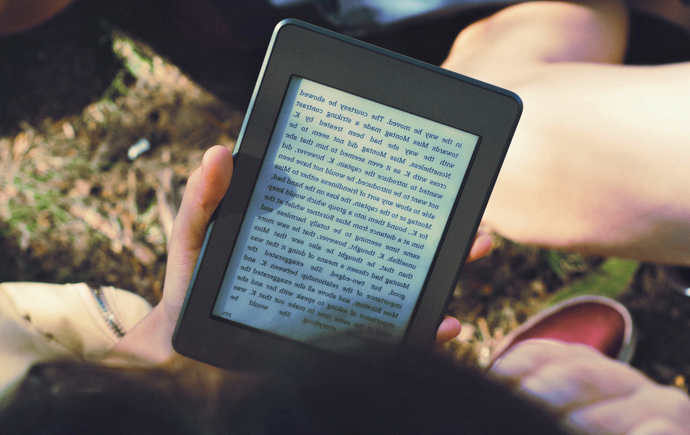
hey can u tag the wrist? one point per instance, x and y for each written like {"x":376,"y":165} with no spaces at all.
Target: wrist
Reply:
{"x":148,"y":343}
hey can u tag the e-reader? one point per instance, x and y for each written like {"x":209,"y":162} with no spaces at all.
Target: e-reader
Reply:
{"x":358,"y":188}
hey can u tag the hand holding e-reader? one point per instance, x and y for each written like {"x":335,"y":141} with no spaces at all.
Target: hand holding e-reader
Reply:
{"x":358,"y":188}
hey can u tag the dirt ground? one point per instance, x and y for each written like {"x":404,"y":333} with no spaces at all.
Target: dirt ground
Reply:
{"x":78,"y":92}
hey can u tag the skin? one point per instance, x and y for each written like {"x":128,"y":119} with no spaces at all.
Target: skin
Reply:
{"x":591,"y":393}
{"x":149,"y":342}
{"x":597,"y":164}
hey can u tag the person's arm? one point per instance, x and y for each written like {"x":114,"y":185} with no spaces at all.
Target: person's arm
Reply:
{"x":598,"y":162}
{"x":591,"y":393}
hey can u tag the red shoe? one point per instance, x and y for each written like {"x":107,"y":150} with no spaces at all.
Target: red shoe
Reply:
{"x":595,"y":321}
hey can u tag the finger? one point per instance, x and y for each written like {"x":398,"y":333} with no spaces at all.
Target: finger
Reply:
{"x":205,"y":189}
{"x":651,"y":409}
{"x":564,"y":377}
{"x":573,"y":384}
{"x":448,"y":330}
{"x":480,"y":247}
{"x":659,"y":426}
{"x":528,"y":356}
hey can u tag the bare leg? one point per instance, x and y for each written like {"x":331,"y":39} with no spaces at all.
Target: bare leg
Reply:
{"x":598,"y":164}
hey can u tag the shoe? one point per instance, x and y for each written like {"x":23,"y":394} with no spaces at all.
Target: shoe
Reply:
{"x":595,"y":321}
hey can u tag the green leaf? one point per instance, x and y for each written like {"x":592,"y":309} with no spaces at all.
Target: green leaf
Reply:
{"x":563,"y":264}
{"x":610,"y":280}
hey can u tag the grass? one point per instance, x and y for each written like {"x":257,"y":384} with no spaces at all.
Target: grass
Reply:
{"x":611,"y":279}
{"x":75,"y":208}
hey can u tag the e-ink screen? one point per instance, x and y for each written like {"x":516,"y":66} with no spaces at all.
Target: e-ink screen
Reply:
{"x":349,"y":208}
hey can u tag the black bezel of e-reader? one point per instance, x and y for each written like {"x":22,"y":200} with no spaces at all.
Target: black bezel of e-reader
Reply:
{"x":343,"y":63}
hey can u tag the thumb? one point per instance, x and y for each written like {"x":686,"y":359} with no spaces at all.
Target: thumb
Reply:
{"x":205,"y":189}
